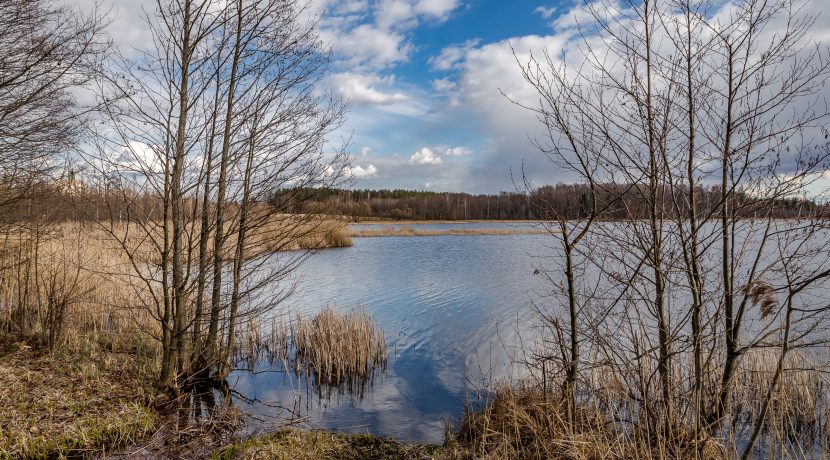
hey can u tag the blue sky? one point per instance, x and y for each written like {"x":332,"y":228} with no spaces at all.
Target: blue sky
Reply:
{"x":424,"y":80}
{"x":421,"y":116}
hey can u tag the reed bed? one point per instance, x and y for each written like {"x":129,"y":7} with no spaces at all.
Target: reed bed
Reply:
{"x":527,"y":418}
{"x":409,"y":231}
{"x":800,"y":408}
{"x":338,"y":352}
{"x":75,"y":279}
{"x":67,"y":284}
{"x":338,"y":347}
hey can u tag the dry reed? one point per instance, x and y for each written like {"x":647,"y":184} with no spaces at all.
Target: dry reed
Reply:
{"x":528,"y":418}
{"x":338,"y":352}
{"x":339,"y":347}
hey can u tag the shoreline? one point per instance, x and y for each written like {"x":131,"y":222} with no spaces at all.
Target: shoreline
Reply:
{"x":406,"y":231}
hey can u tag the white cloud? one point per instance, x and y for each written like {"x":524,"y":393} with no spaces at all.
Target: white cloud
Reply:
{"x":406,"y":14}
{"x":425,"y":156}
{"x":362,"y":89}
{"x":443,"y":84}
{"x":365,"y":151}
{"x":545,"y":12}
{"x":436,"y":9}
{"x":369,"y":46}
{"x":452,"y":55}
{"x":359,"y":172}
{"x":458,"y":152}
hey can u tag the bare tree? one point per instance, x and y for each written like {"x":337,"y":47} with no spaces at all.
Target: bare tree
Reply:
{"x":50,"y":53}
{"x":221,"y":113}
{"x":672,"y":98}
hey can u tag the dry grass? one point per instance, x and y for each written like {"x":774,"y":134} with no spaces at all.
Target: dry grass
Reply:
{"x":521,"y":420}
{"x":339,"y":353}
{"x":407,"y":230}
{"x":527,"y":419}
{"x":312,"y":234}
{"x":339,"y":350}
{"x":313,"y":445}
{"x":81,"y":271}
{"x":74,"y":271}
{"x":800,"y":406}
{"x":83,"y":401}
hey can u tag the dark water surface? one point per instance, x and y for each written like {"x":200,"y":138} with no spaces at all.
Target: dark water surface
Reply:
{"x":450,"y":308}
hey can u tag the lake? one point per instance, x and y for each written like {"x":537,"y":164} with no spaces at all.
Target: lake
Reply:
{"x":450,"y":308}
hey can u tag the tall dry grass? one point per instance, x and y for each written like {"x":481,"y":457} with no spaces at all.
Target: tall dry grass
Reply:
{"x":76,"y":280}
{"x":66,"y":283}
{"x":339,"y":352}
{"x":528,"y":418}
{"x":338,"y":347}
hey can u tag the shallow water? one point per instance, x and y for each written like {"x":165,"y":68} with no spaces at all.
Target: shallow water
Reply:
{"x":449,"y":307}
{"x":452,"y":309}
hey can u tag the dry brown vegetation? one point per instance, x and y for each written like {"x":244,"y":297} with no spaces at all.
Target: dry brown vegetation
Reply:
{"x":339,"y":352}
{"x":338,"y":347}
{"x":74,"y":279}
{"x":529,"y":419}
{"x":80,"y":401}
{"x":313,"y":445}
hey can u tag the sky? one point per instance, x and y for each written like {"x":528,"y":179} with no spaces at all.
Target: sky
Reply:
{"x":426,"y":82}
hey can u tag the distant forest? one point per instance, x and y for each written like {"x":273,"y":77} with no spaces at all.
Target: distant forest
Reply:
{"x":69,"y":200}
{"x":570,"y":201}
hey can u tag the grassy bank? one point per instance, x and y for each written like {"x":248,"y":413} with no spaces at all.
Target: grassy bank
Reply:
{"x":85,"y":401}
{"x":312,"y":445}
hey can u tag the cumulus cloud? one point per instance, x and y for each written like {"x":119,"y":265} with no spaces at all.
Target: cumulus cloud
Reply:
{"x":369,"y":46}
{"x":362,"y":89}
{"x":452,"y":55}
{"x":407,"y":13}
{"x":443,"y":84}
{"x":359,"y":172}
{"x":375,"y":35}
{"x":425,"y":156}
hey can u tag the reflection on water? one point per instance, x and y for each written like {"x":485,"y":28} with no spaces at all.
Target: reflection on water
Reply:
{"x":448,"y":307}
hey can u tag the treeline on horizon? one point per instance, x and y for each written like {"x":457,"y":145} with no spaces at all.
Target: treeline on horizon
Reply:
{"x":571,"y":201}
{"x":71,"y":200}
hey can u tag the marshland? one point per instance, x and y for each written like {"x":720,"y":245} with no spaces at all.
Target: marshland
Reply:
{"x":197,"y":262}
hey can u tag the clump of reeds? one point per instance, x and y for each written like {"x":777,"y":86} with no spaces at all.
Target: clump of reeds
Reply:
{"x":291,"y":233}
{"x":337,"y":352}
{"x":526,"y":420}
{"x":339,"y":348}
{"x":800,"y":404}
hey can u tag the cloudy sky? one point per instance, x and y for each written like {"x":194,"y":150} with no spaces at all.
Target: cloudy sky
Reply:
{"x":425,"y":80}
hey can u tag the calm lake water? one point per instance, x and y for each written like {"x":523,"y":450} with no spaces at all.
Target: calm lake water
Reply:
{"x":450,"y":308}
